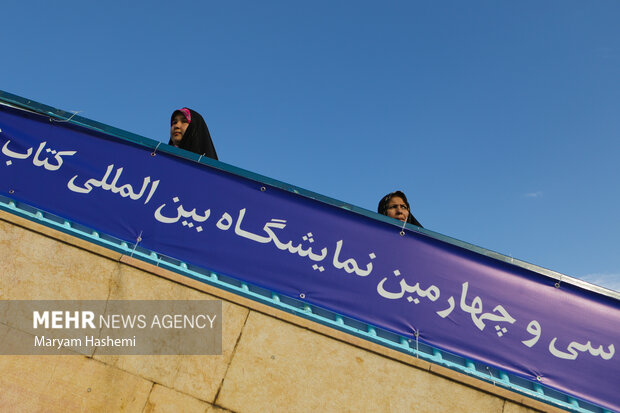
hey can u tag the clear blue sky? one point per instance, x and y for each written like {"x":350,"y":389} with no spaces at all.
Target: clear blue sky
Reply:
{"x":500,"y":120}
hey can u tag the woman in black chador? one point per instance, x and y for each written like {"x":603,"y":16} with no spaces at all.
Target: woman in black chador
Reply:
{"x":189,"y":131}
{"x":395,"y":205}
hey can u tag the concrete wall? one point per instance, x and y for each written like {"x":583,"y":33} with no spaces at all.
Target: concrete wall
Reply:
{"x":271,"y":362}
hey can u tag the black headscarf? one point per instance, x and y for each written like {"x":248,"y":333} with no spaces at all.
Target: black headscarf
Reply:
{"x":196,"y":138}
{"x":383,"y":204}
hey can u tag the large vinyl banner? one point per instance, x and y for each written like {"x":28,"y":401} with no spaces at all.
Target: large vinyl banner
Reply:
{"x":402,"y":281}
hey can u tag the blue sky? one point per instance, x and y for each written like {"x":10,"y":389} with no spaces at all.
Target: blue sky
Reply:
{"x":499,"y":120}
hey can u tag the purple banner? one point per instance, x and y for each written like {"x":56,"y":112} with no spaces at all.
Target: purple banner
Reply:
{"x":408,"y":283}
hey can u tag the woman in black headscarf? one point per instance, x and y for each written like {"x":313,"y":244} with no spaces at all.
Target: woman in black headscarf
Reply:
{"x":189,"y":131}
{"x":395,"y":205}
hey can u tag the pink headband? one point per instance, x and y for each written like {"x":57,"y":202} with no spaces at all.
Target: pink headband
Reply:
{"x":187,"y":114}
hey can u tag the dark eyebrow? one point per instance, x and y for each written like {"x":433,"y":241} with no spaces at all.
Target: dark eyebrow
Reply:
{"x":183,"y":119}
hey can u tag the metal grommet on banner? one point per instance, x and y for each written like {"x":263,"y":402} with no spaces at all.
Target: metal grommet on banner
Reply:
{"x":136,"y":244}
{"x":538,"y":378}
{"x":11,"y":191}
{"x":558,"y":283}
{"x":302,"y":295}
{"x":263,"y":189}
{"x":402,"y":230}
{"x":155,"y":150}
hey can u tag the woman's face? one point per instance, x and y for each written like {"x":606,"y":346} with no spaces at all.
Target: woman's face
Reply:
{"x":396,"y":208}
{"x":178,"y":126}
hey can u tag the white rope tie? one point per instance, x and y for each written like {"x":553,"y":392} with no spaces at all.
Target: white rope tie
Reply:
{"x":75,"y":112}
